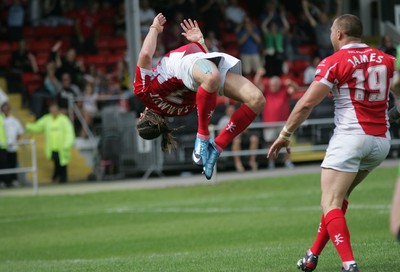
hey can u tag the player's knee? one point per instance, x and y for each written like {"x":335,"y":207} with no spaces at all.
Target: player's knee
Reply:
{"x":257,"y":100}
{"x":212,"y":80}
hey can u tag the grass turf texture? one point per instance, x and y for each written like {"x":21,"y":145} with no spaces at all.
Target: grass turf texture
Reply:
{"x":251,"y":225}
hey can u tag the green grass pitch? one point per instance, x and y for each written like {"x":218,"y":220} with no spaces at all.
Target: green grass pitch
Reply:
{"x":248,"y":225}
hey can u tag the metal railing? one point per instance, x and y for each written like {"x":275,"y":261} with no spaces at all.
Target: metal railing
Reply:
{"x":30,"y":169}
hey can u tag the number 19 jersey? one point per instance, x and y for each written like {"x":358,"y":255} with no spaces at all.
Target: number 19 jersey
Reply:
{"x":359,"y":77}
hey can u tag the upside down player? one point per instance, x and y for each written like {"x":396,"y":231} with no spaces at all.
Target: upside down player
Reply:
{"x":359,"y":78}
{"x":190,"y":77}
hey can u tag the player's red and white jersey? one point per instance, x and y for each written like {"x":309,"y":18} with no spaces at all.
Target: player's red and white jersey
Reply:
{"x":359,"y":77}
{"x":161,"y":89}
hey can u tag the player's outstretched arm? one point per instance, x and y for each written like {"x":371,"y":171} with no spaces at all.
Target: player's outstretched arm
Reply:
{"x":150,"y":42}
{"x":192,"y":32}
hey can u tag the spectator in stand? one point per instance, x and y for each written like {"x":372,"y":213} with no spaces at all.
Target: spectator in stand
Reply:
{"x":86,"y":29}
{"x":14,"y":131}
{"x":60,"y":137}
{"x":53,"y":13}
{"x":274,"y":43}
{"x":69,"y":92}
{"x":147,"y":14}
{"x":172,"y":36}
{"x":15,"y":20}
{"x":249,"y":40}
{"x":109,"y":93}
{"x":6,"y":179}
{"x":310,"y":71}
{"x":68,"y":64}
{"x":47,"y":93}
{"x":3,"y":96}
{"x":119,"y":20}
{"x":89,"y":105}
{"x":248,"y":138}
{"x":212,"y":43}
{"x":387,"y":45}
{"x":277,"y":107}
{"x":322,"y":26}
{"x":211,"y":13}
{"x":234,"y":15}
{"x":22,"y":61}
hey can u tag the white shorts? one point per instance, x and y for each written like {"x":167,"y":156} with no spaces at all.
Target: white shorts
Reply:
{"x":271,"y":133}
{"x":223,"y":61}
{"x":352,"y":153}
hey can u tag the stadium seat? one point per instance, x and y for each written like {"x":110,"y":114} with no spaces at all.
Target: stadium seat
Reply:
{"x":96,"y":59}
{"x":41,"y":46}
{"x":31,"y":82}
{"x":307,"y":49}
{"x":5,"y":48}
{"x":45,"y":32}
{"x":118,"y":44}
{"x":5,"y":61}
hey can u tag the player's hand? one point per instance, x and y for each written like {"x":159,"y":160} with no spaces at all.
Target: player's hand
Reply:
{"x":273,"y":151}
{"x":191,"y":30}
{"x":159,"y":22}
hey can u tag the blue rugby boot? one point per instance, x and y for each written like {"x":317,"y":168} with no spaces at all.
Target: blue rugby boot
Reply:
{"x":213,"y":154}
{"x":200,"y":152}
{"x":308,"y":263}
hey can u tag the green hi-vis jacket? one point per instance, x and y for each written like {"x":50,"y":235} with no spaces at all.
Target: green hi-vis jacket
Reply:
{"x":3,"y":138}
{"x":59,"y":133}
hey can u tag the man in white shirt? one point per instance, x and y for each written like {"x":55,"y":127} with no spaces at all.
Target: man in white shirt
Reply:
{"x":14,"y":130}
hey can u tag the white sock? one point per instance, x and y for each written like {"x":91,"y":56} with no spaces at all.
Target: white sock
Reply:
{"x":347,"y":264}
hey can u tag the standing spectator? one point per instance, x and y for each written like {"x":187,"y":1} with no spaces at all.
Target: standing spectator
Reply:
{"x":119,"y":20}
{"x":274,"y":43}
{"x":361,"y":140}
{"x":3,"y":97}
{"x":7,"y":179}
{"x":246,"y":138}
{"x":14,"y":131}
{"x":321,"y":27}
{"x":15,"y":20}
{"x":89,"y":106}
{"x":53,"y":13}
{"x":277,"y":108}
{"x":234,"y":15}
{"x":172,"y":36}
{"x":310,"y":71}
{"x":211,"y":13}
{"x":147,"y":14}
{"x":249,"y":40}
{"x":60,"y":138}
{"x":22,"y":60}
{"x":86,"y":29}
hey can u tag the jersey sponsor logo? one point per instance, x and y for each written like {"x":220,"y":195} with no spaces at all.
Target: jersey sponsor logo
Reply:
{"x":168,"y":108}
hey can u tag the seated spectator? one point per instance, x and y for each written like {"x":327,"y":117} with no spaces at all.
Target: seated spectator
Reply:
{"x":69,"y":64}
{"x":109,"y":93}
{"x":277,"y":108}
{"x":47,"y":93}
{"x":147,"y":14}
{"x":274,"y":43}
{"x":387,"y":45}
{"x":249,"y":40}
{"x":89,"y":106}
{"x":212,"y":43}
{"x":248,"y":138}
{"x":234,"y":15}
{"x":68,"y":92}
{"x":309,"y":72}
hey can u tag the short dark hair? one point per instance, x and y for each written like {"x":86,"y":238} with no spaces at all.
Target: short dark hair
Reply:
{"x":350,"y":25}
{"x":152,"y":125}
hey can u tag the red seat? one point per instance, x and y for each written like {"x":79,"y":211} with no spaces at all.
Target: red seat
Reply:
{"x":118,"y":44}
{"x":41,"y":46}
{"x":5,"y":60}
{"x":5,"y":48}
{"x":64,"y":31}
{"x":106,"y":30}
{"x":307,"y":49}
{"x":114,"y":59}
{"x":45,"y":32}
{"x":96,"y":59}
{"x":31,"y":82}
{"x":42,"y":60}
{"x":298,"y":66}
{"x":29,"y":32}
